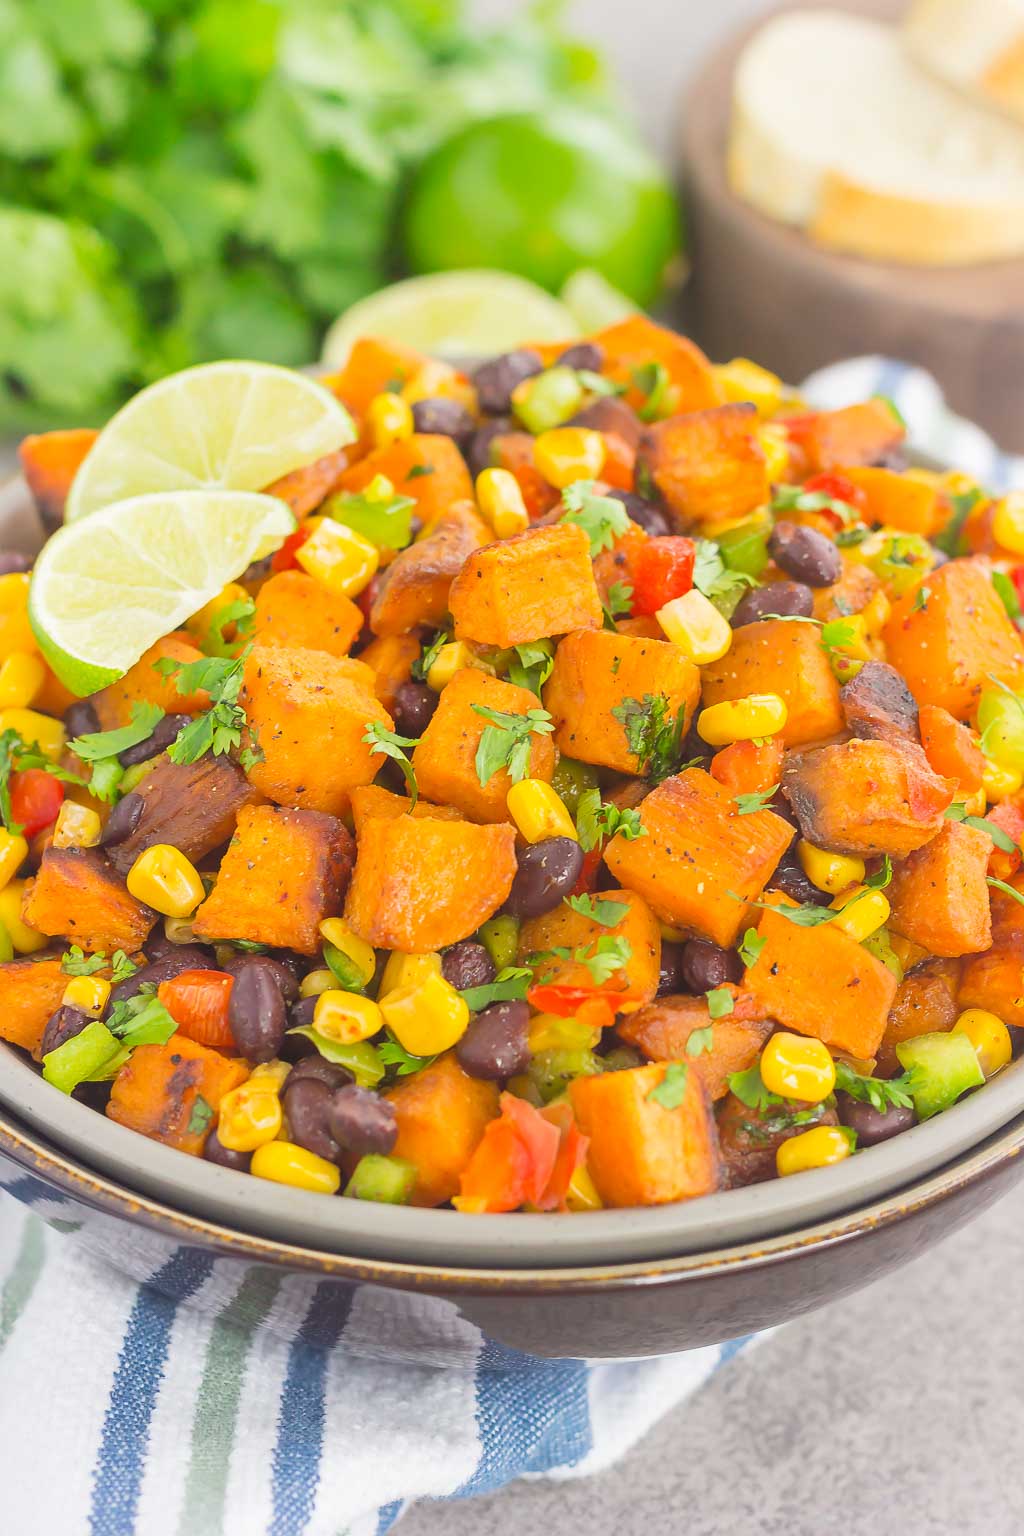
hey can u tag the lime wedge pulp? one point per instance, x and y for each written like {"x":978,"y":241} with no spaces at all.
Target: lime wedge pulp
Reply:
{"x":106,"y":588}
{"x":235,"y":426}
{"x":465,"y":314}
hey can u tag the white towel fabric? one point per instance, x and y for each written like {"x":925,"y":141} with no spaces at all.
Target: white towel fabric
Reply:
{"x":217,"y":1402}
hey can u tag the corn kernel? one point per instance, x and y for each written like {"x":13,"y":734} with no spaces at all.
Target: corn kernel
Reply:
{"x":22,"y":675}
{"x":876,"y":614}
{"x":76,"y":826}
{"x":316,"y":982}
{"x":46,"y":732}
{"x":283,"y":1162}
{"x":390,"y":419}
{"x":566,"y":454}
{"x":855,"y":647}
{"x":552,"y":1032}
{"x":832,"y":872}
{"x":438,"y":381}
{"x":1008,"y":522}
{"x":989,"y":1036}
{"x":694,"y":624}
{"x":1000,"y":783}
{"x":165,"y":880}
{"x":427,"y":1018}
{"x":582,"y":1193}
{"x":501,"y":502}
{"x":798,"y":1067}
{"x":470,"y":1205}
{"x":757,"y":715}
{"x":15,"y":629}
{"x":13,"y":853}
{"x":742,"y":381}
{"x":774,"y":442}
{"x":90,"y":993}
{"x":861,"y":912}
{"x":250,"y":1116}
{"x":408,"y":970}
{"x":26,"y":940}
{"x":819,"y":1147}
{"x":451,"y":658}
{"x":179,"y":930}
{"x":339,"y":558}
{"x":335,"y":931}
{"x":346,"y":1016}
{"x":539,"y":812}
{"x":974,"y":805}
{"x":271,"y":1075}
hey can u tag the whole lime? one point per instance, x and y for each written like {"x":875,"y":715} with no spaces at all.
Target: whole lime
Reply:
{"x":544,"y":195}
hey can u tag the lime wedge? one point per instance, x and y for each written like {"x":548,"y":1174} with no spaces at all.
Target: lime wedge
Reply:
{"x":104,"y":589}
{"x":231,"y":426}
{"x":471,"y":313}
{"x":594,"y":302}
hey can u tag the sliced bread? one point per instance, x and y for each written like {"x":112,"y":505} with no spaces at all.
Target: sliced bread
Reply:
{"x":975,"y":45}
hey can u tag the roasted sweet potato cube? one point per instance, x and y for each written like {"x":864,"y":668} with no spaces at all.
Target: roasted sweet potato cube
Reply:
{"x":442,"y":1114}
{"x":850,"y":594}
{"x":708,"y":466}
{"x":143,"y":684}
{"x":374,"y":366}
{"x":30,"y":990}
{"x":614,"y":566}
{"x":854,"y":434}
{"x":157,"y":1089}
{"x":305,"y":488}
{"x":563,"y":928}
{"x":995,"y":978}
{"x":283,"y":873}
{"x":866,"y":797}
{"x":295,"y":610}
{"x":749,"y":1138}
{"x":49,"y":462}
{"x":940,"y":896}
{"x":701,"y":862}
{"x":426,"y":467}
{"x":641,"y":1152}
{"x":540,"y":583}
{"x":445,"y":760}
{"x":772,"y":656}
{"x":637,"y":342}
{"x":371,"y":801}
{"x":595,"y":671}
{"x":818,"y":981}
{"x":390,"y":659}
{"x":878,"y":703}
{"x":308,"y":712}
{"x":950,"y":646}
{"x":78,"y":896}
{"x":414,"y":589}
{"x":192,"y":806}
{"x":897,"y":500}
{"x":421,"y":883}
{"x":663,"y":1029}
{"x":925,"y":1003}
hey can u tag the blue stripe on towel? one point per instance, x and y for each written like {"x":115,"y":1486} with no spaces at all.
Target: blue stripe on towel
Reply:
{"x":529,"y":1421}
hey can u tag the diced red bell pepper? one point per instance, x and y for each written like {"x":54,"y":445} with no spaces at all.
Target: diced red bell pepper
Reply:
{"x":572,"y":1151}
{"x":662,"y":570}
{"x":284,"y":559}
{"x":496,"y":1176}
{"x":1009,"y":818}
{"x":526,"y":1157}
{"x":36,"y":799}
{"x":838,"y":487}
{"x":198,"y":1001}
{"x":1017,"y":577}
{"x":592,"y":1005}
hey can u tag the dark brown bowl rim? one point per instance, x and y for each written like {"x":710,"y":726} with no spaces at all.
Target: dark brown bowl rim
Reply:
{"x":31,"y":1153}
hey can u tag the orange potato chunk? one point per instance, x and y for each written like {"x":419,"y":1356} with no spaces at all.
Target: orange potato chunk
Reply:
{"x":371,"y":801}
{"x":415,"y":587}
{"x":564,"y":928}
{"x":426,"y":467}
{"x":78,"y":896}
{"x":30,"y":990}
{"x":772,"y":656}
{"x":442,"y":1114}
{"x":157,"y":1089}
{"x":939,"y":895}
{"x":296,"y":611}
{"x":537,"y":584}
{"x":925,"y":1003}
{"x":708,"y":466}
{"x":662,"y":1030}
{"x":867,"y":796}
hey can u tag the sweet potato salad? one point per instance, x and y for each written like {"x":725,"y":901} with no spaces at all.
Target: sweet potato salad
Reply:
{"x":608,"y":793}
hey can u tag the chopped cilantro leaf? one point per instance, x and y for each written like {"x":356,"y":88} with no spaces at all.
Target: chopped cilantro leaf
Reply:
{"x":881,"y":1093}
{"x":510,"y":985}
{"x":505,"y":742}
{"x":720,"y":1002}
{"x":393,"y":1054}
{"x":652,"y":735}
{"x":1007,"y":890}
{"x":218,"y":729}
{"x":747,"y":804}
{"x":671,"y":1091}
{"x":596,"y":821}
{"x":750,"y":947}
{"x":202,"y":1114}
{"x":423,"y":663}
{"x":74,"y":962}
{"x":602,"y":518}
{"x":379,"y":739}
{"x":241,"y":614}
{"x":949,"y":540}
{"x":793,"y":498}
{"x":598,"y":909}
{"x":1007,"y":593}
{"x":749,"y":1088}
{"x":712,"y":577}
{"x":700,"y":1040}
{"x":530,"y":664}
{"x":958,"y":812}
{"x":921,"y":597}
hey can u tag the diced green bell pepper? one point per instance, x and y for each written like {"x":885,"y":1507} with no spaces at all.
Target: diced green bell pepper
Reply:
{"x":388,"y":1180}
{"x":500,"y":938}
{"x":944,"y":1067}
{"x":86,"y":1057}
{"x":570,"y":779}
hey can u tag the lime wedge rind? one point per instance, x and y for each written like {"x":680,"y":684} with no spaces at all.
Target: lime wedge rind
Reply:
{"x":103,"y":592}
{"x":220,"y":426}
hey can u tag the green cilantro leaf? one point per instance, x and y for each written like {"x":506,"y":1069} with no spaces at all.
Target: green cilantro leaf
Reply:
{"x":602,"y":518}
{"x":241,"y":614}
{"x":700,"y":1040}
{"x":608,"y":913}
{"x":218,"y":729}
{"x":618,"y":604}
{"x":510,"y":985}
{"x":836,"y":634}
{"x":881,"y":878}
{"x":419,"y":470}
{"x":530,"y":664}
{"x":720,"y":1002}
{"x":389,"y":744}
{"x":750,"y":947}
{"x":393,"y":1054}
{"x":505,"y":742}
{"x":386,"y":522}
{"x":423,"y":663}
{"x":748,"y":804}
{"x":652,"y":735}
{"x":949,"y":540}
{"x":653,"y":381}
{"x":1007,"y":890}
{"x":881,"y":1093}
{"x":1007,"y":593}
{"x":958,"y":812}
{"x":10,"y":741}
{"x":202,"y":1114}
{"x":921,"y":597}
{"x":99,"y":744}
{"x":596,"y":821}
{"x":608,"y":956}
{"x":793,"y":498}
{"x":671,"y":1091}
{"x":74,"y":962}
{"x":712,"y":576}
{"x":749,"y":1088}
{"x":141,"y":1020}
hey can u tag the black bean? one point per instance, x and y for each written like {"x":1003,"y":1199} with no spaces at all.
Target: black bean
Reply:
{"x":298,"y":965}
{"x":494,"y":381}
{"x":443,"y":418}
{"x":256,"y":1009}
{"x":12,"y":562}
{"x":585,"y":354}
{"x":158,"y":741}
{"x":670,"y":977}
{"x":216,"y":1152}
{"x":63,"y":1025}
{"x":123,"y":820}
{"x":467,"y":965}
{"x":706,"y":965}
{"x":787,"y":598}
{"x":478,"y":450}
{"x":805,"y":554}
{"x":321,"y":1069}
{"x":80,"y":719}
{"x":284,"y":978}
{"x":644,"y":513}
{"x":300,"y":1014}
{"x":496,"y":1045}
{"x":547,"y":871}
{"x":307,"y":1103}
{"x":362,"y":1122}
{"x":414,"y":708}
{"x":186,"y":957}
{"x":871,"y":1125}
{"x":789,"y":878}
